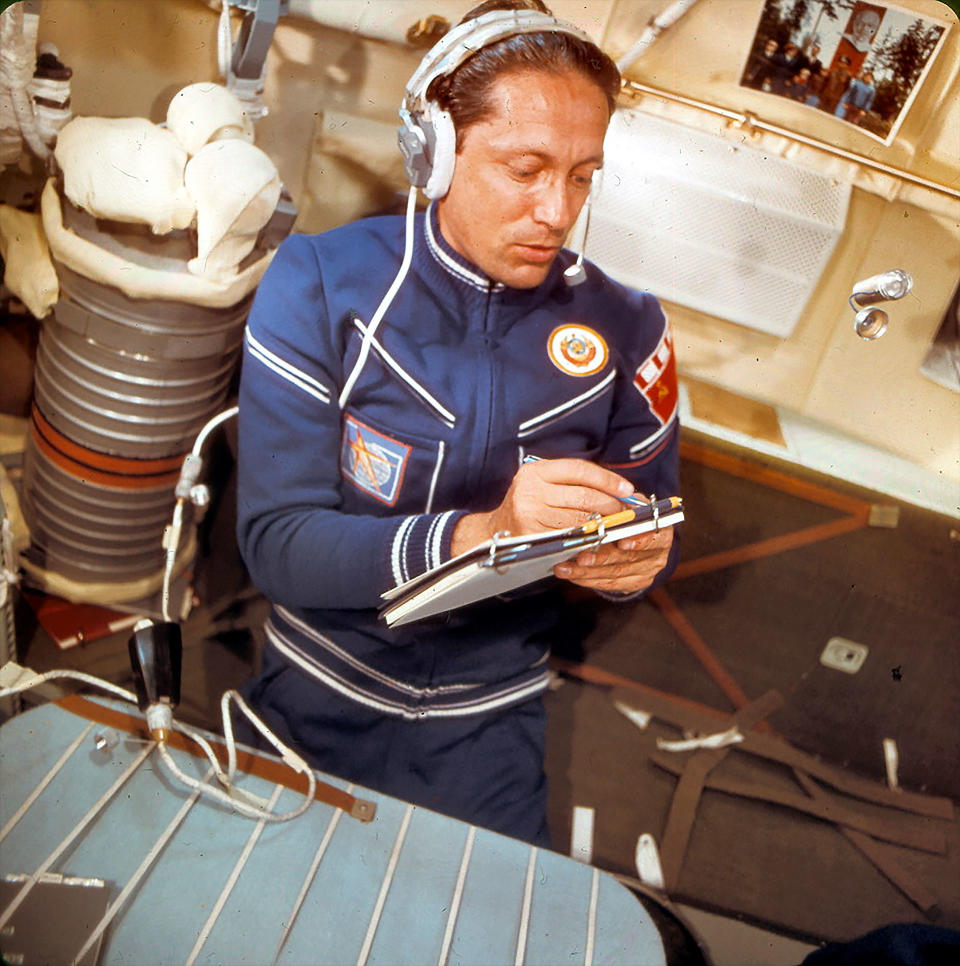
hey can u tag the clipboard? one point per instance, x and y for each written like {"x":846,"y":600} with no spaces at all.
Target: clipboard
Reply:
{"x":507,"y":562}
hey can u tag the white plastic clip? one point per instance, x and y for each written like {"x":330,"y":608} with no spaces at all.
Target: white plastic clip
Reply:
{"x":640,"y":718}
{"x":581,"y":834}
{"x":649,"y":869}
{"x":495,"y":549}
{"x":891,"y":760}
{"x":601,"y":528}
{"x":656,"y":511}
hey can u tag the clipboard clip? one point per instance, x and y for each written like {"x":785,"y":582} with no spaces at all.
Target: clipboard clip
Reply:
{"x":601,"y":528}
{"x":656,"y":511}
{"x":495,"y":549}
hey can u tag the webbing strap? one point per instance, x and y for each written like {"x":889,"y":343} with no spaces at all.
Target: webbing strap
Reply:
{"x":881,"y":856}
{"x":693,"y":776}
{"x":904,"y":831}
{"x":686,"y":716}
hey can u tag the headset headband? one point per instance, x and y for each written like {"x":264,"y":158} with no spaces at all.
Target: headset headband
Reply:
{"x":467,"y":39}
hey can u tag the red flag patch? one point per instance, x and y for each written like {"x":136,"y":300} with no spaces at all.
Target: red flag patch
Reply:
{"x":656,"y":379}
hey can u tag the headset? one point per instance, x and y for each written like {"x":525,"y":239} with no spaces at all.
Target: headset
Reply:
{"x":427,"y":137}
{"x":426,"y":134}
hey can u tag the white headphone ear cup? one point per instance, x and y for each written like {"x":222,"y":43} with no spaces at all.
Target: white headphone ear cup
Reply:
{"x":444,"y":152}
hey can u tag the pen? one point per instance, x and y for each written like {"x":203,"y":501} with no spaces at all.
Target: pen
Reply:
{"x":629,"y":500}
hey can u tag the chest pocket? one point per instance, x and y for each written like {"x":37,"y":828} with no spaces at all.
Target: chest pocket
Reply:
{"x":576,"y":426}
{"x":382,"y":467}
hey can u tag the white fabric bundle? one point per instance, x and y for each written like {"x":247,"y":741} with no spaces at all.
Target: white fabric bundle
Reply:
{"x":201,"y":113}
{"x":235,"y":188}
{"x":29,"y":272}
{"x":125,"y":169}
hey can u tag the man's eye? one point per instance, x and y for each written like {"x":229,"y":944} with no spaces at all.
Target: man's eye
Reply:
{"x":523,"y":174}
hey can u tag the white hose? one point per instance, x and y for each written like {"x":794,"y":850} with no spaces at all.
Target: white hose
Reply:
{"x":657,"y":25}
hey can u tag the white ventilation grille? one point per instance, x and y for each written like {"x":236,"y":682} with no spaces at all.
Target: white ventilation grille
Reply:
{"x":721,"y":228}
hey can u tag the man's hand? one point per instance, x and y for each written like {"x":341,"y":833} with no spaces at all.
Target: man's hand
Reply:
{"x":546,"y":495}
{"x":621,"y":568}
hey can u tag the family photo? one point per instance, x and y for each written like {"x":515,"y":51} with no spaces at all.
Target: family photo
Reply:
{"x":861,"y":62}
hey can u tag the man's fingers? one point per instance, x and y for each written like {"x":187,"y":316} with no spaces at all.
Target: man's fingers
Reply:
{"x":581,"y":499}
{"x":582,"y":473}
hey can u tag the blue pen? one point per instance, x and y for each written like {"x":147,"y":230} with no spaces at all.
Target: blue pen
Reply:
{"x":629,"y":500}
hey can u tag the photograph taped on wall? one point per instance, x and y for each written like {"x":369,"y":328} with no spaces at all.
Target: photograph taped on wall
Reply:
{"x":859,"y":62}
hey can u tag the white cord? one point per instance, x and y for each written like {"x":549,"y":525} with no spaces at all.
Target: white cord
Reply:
{"x":387,"y":299}
{"x":189,"y":474}
{"x":32,"y":680}
{"x":246,"y":803}
{"x":211,"y":425}
{"x":171,"y":543}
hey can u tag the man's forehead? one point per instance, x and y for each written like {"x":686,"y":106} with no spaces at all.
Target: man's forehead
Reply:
{"x":528,"y":86}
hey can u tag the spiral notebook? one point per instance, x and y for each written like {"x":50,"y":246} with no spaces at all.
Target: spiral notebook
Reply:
{"x":507,"y":562}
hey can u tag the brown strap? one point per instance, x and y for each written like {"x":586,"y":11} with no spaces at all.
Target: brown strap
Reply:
{"x":693,"y":776}
{"x":903,"y":832}
{"x":267,"y":768}
{"x":881,"y":856}
{"x":683,"y":714}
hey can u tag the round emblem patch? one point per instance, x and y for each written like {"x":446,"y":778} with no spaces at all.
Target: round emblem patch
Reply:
{"x":577,"y":350}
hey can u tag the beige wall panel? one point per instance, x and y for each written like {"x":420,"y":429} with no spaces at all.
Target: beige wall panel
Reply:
{"x":129,"y":57}
{"x":765,"y":367}
{"x":874,"y":390}
{"x":703,"y":54}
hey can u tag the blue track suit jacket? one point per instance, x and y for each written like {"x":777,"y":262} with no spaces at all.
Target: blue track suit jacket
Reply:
{"x":465,"y":378}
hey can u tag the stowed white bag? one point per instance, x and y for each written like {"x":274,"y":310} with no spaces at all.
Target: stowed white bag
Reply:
{"x":207,"y":112}
{"x":235,"y":188}
{"x":129,"y":169}
{"x":125,"y":169}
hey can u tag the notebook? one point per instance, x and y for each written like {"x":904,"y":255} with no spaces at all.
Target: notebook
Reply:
{"x":508,"y":562}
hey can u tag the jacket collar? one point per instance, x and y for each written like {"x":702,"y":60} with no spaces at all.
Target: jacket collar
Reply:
{"x":451,"y":261}
{"x":456,"y":274}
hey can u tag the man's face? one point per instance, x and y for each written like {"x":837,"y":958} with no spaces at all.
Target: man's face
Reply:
{"x":771,"y":48}
{"x":523,"y":174}
{"x":865,"y":26}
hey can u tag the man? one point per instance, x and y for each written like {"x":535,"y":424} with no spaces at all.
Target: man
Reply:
{"x":811,"y":60}
{"x":836,"y":85}
{"x":760,"y":67}
{"x":816,"y":85}
{"x":484,"y":356}
{"x":787,"y":64}
{"x":857,"y":98}
{"x":798,"y":85}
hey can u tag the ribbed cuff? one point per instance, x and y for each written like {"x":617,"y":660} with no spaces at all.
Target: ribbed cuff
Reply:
{"x":421,"y":543}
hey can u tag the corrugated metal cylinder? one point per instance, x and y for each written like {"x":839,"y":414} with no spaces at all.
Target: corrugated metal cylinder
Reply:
{"x":122,"y":388}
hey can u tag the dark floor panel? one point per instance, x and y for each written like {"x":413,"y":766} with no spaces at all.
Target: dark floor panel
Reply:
{"x":727,"y":635}
{"x":752,"y":859}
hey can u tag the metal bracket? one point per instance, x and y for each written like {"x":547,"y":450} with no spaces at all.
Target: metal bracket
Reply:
{"x":255,"y":35}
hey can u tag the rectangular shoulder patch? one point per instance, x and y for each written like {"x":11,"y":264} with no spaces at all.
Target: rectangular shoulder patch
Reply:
{"x":373,"y":462}
{"x":656,"y":379}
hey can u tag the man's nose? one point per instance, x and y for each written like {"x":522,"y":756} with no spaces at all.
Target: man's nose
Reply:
{"x":555,"y":206}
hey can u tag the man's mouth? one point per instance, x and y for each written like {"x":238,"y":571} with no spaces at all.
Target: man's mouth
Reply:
{"x":537,"y":253}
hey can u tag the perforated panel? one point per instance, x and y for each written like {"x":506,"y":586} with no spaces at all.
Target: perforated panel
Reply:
{"x":722,"y":228}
